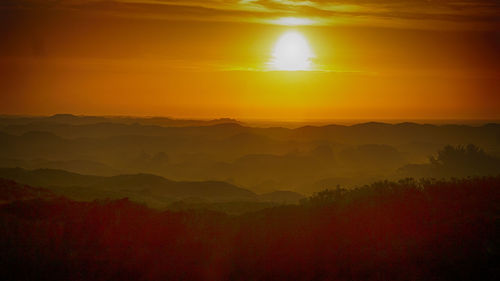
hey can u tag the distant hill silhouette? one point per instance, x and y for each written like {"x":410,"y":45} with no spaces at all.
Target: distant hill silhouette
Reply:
{"x":366,"y":133}
{"x":153,"y":190}
{"x":83,"y":120}
{"x":75,"y":166}
{"x":260,"y":159}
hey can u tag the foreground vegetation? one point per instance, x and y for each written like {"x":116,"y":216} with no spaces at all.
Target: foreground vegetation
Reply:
{"x":426,"y":230}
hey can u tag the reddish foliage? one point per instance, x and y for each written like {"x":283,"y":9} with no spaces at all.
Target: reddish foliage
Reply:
{"x":387,"y":231}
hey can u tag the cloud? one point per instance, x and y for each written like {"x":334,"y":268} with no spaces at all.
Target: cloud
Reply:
{"x":464,"y":13}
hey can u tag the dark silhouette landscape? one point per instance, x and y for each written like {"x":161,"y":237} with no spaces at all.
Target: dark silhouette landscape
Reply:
{"x":114,"y":198}
{"x":429,"y":230}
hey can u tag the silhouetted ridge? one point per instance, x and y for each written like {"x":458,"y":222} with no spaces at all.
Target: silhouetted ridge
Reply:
{"x":289,"y":159}
{"x":12,"y":191}
{"x":139,"y":187}
{"x":70,"y":119}
{"x":372,"y":125}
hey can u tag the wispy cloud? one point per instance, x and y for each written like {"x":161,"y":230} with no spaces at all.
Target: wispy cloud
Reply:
{"x":463,"y":13}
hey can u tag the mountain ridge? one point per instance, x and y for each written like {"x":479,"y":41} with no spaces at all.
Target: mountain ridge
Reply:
{"x":75,"y":185}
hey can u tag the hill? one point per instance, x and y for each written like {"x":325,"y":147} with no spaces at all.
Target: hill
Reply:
{"x":259,"y":159}
{"x":12,"y":191}
{"x":282,"y":196}
{"x":153,"y":190}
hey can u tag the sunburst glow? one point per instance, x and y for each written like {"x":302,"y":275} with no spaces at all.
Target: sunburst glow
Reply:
{"x":292,"y":52}
{"x":292,"y":21}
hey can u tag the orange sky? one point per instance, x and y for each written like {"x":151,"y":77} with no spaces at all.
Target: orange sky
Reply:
{"x":374,"y":59}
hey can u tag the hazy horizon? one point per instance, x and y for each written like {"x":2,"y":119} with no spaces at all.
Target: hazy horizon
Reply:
{"x":281,"y":122}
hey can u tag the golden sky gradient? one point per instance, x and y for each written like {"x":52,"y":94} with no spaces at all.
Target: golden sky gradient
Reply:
{"x":369,"y":59}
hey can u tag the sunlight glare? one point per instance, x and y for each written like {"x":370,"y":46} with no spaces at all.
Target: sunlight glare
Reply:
{"x":292,"y":53}
{"x":292,"y":21}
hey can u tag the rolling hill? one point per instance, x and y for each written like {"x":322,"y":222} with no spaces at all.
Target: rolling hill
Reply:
{"x":152,"y":190}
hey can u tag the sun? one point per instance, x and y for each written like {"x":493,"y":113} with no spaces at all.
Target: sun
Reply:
{"x":292,"y":53}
